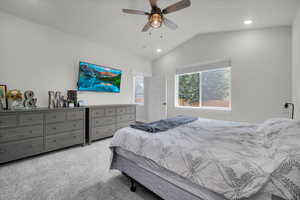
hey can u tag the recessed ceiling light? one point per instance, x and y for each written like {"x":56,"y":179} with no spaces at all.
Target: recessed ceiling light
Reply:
{"x":158,"y":50}
{"x":248,"y":22}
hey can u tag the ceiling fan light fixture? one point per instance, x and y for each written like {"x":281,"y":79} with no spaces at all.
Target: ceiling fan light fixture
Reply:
{"x":156,"y":20}
{"x":156,"y":16}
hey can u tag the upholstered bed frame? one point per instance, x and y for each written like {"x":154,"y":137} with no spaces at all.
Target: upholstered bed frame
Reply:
{"x":160,"y":187}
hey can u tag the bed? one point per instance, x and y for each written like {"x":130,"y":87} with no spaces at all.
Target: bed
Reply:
{"x":213,"y":160}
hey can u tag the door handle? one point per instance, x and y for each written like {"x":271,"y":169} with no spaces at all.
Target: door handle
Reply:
{"x":164,"y":104}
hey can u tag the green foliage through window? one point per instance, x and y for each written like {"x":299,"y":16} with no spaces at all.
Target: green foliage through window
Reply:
{"x":207,"y":89}
{"x":189,"y":89}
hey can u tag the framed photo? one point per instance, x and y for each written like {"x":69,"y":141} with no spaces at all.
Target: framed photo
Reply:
{"x":3,"y":99}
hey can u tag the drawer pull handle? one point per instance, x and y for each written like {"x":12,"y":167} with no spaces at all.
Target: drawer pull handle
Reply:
{"x":2,"y":151}
{"x":54,"y":128}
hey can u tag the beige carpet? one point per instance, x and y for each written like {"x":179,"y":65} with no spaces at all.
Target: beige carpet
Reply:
{"x":79,"y":173}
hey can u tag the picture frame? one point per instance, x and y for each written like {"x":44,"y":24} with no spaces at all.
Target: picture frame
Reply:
{"x":3,"y":99}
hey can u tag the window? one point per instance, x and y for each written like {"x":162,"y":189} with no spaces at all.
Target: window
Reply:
{"x":139,"y":90}
{"x":205,"y":89}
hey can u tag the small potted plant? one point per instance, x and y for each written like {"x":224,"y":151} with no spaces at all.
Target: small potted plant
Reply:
{"x":14,"y":98}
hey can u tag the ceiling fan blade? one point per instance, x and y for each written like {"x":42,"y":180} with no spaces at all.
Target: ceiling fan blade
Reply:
{"x":177,"y":6}
{"x":170,"y":24}
{"x":135,"y":12}
{"x":146,"y":27}
{"x":153,"y":3}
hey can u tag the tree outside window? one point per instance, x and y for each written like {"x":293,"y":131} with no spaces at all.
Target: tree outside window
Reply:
{"x":210,"y":88}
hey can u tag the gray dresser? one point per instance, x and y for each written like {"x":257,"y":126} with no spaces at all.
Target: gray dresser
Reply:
{"x":30,"y":132}
{"x":105,"y":120}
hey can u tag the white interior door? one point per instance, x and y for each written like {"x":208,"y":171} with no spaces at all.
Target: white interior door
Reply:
{"x":157,"y":107}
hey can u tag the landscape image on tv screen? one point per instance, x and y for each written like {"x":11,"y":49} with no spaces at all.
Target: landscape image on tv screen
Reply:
{"x":98,"y":78}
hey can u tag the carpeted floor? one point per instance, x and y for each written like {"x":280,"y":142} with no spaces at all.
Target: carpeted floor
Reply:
{"x":79,"y":173}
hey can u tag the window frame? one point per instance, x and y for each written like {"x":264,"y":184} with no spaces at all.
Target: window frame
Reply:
{"x":134,"y":89}
{"x":201,"y":91}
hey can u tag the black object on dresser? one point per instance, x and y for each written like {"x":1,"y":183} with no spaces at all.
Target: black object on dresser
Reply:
{"x":72,"y":97}
{"x":26,"y":133}
{"x":104,"y":121}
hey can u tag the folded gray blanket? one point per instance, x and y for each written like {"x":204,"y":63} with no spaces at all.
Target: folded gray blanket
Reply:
{"x":164,"y":125}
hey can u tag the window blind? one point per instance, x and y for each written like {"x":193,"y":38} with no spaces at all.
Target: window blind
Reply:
{"x":203,"y":67}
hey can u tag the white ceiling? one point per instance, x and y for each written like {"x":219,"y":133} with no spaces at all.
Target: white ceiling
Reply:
{"x":103,"y":22}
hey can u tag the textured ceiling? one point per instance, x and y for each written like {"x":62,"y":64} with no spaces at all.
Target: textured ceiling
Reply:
{"x":102,"y":21}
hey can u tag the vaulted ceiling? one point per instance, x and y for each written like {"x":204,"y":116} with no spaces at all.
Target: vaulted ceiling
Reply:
{"x":102,"y":21}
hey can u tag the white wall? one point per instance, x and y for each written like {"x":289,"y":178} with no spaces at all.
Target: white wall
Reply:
{"x":261,"y":71}
{"x":296,"y":64}
{"x":40,"y":58}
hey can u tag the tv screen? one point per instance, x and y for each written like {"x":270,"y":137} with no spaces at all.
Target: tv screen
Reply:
{"x":98,"y":78}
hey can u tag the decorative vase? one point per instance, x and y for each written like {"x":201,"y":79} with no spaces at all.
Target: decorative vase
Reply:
{"x":14,"y":99}
{"x":14,"y":104}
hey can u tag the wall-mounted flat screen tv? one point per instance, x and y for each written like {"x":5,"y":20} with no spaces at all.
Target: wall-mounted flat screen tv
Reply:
{"x":98,"y":78}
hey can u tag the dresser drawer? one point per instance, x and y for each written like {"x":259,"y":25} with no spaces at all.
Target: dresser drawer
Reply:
{"x":64,"y":127}
{"x":8,"y":121}
{"x":104,"y":121}
{"x":110,"y":111}
{"x":31,"y":119}
{"x":124,"y":124}
{"x":75,"y":115}
{"x":124,"y":118}
{"x":103,"y":132}
{"x":98,"y":112}
{"x":16,"y":150}
{"x":52,"y":117}
{"x":121,"y":111}
{"x":130,"y":110}
{"x":64,"y":140}
{"x":12,"y":134}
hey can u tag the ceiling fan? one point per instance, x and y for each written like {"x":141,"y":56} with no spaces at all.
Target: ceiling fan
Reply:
{"x":157,"y":15}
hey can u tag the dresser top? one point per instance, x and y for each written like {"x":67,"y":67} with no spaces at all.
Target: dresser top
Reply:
{"x":40,"y":109}
{"x":110,"y":105}
{"x":59,"y":109}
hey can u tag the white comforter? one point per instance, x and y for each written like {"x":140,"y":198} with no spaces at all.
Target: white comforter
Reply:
{"x":237,"y":160}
